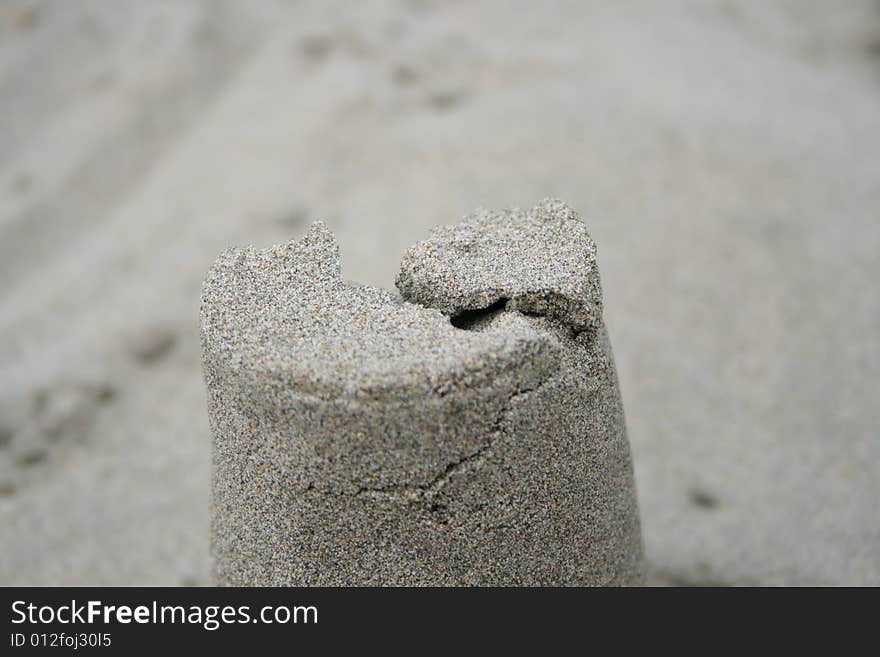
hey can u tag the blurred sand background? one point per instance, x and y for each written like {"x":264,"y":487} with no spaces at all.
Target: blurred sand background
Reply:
{"x":725,"y":156}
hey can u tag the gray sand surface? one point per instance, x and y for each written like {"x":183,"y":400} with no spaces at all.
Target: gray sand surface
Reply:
{"x":722,"y":153}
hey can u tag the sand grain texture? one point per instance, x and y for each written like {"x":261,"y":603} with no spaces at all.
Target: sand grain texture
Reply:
{"x":723,"y":155}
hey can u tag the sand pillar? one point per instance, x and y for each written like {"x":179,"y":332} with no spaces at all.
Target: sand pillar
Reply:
{"x":470,"y":433}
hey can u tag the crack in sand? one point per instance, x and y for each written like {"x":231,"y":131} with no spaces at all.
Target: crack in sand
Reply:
{"x":427,"y":491}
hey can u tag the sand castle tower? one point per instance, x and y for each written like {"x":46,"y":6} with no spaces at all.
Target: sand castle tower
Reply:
{"x":468,"y":433}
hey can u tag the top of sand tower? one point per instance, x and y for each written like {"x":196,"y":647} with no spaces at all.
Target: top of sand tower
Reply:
{"x":283,"y":322}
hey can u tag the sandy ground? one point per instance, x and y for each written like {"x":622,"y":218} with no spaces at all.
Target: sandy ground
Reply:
{"x":724,"y":155}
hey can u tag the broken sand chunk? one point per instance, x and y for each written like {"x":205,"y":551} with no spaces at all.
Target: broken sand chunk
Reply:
{"x":541,"y":261}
